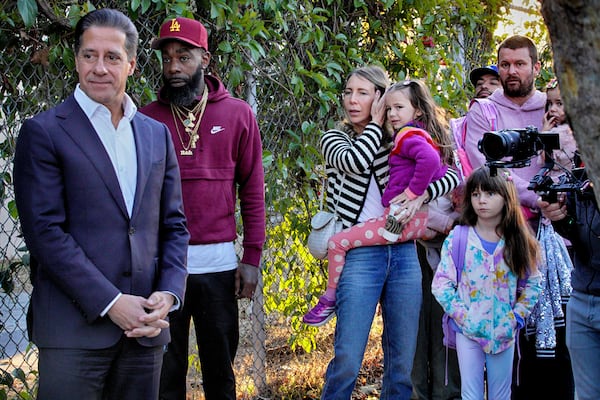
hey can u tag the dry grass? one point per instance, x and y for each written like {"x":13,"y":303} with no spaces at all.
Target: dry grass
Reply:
{"x":297,"y":375}
{"x":290,"y":375}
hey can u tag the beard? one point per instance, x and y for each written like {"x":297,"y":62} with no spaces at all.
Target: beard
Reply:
{"x":183,"y":96}
{"x":522,"y":90}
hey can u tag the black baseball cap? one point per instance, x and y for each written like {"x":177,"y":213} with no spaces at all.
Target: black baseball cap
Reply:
{"x":479,"y":72}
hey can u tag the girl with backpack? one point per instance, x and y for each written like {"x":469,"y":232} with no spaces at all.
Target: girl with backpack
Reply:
{"x":488,"y":304}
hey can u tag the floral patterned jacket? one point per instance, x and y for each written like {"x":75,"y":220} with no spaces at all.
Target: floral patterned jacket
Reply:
{"x":484,"y":303}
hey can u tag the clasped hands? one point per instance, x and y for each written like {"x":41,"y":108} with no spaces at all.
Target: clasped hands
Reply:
{"x":141,"y":317}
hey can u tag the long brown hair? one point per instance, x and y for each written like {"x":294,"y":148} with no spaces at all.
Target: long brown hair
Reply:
{"x":521,"y":250}
{"x":432,"y":116}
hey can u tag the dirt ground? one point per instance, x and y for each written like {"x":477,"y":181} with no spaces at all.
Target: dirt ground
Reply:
{"x":293,"y":374}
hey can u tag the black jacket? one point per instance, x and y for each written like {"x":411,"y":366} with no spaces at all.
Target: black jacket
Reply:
{"x":582,"y":228}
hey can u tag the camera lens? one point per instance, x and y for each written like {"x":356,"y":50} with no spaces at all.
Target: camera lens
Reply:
{"x":497,"y":145}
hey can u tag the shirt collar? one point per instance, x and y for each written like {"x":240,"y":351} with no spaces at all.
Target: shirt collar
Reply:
{"x":90,"y":106}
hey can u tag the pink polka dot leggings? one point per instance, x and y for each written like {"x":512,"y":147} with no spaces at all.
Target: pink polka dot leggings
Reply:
{"x":369,"y":233}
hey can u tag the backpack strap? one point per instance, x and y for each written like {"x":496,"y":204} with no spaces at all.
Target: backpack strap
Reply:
{"x":489,"y":111}
{"x":459,"y":248}
{"x":459,"y":130}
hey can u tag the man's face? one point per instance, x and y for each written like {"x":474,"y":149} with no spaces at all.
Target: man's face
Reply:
{"x":103,"y":66}
{"x":517,"y":72}
{"x":183,"y":71}
{"x":486,"y":84}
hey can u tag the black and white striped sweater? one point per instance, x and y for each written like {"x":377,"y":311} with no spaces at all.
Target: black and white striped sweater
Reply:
{"x":352,"y":161}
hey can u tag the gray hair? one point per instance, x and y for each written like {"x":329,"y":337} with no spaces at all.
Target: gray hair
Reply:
{"x":109,"y":18}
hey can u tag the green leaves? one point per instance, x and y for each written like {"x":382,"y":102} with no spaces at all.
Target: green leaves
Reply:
{"x":298,"y":52}
{"x":28,"y":10}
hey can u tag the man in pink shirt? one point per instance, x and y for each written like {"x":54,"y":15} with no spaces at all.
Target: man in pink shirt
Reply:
{"x":519,"y":105}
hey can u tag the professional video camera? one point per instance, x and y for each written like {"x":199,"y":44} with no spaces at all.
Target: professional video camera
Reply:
{"x":514,"y":148}
{"x":520,"y":144}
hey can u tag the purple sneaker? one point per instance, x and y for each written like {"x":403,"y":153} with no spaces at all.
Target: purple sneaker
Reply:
{"x":321,"y":313}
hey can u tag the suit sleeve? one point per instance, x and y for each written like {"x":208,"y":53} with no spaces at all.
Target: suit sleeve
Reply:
{"x":40,"y":197}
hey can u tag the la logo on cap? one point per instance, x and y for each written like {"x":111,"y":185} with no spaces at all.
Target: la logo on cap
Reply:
{"x":175,"y":26}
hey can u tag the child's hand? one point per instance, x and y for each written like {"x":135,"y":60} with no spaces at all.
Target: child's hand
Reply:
{"x":408,"y":208}
{"x":549,"y":122}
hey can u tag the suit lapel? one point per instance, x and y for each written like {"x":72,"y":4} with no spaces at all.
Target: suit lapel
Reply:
{"x":143,"y":145}
{"x":79,"y":128}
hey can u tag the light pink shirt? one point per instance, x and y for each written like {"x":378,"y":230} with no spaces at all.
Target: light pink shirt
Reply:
{"x":510,"y":116}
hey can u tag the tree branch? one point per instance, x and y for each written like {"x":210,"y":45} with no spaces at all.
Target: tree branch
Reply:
{"x":54,"y":19}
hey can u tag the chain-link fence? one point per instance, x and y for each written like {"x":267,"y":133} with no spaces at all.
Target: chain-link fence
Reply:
{"x":37,"y":72}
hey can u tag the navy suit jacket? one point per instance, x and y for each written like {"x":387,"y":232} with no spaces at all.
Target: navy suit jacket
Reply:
{"x":84,"y":247}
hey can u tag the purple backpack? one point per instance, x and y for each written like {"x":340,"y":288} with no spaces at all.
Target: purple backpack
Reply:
{"x":459,"y":248}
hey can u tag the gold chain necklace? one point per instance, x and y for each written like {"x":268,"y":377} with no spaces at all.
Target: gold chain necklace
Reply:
{"x":190,"y":122}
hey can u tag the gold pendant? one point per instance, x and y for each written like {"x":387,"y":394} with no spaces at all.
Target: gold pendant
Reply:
{"x":186,"y":153}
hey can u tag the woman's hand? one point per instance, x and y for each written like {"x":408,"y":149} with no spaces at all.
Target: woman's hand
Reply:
{"x":378,"y":109}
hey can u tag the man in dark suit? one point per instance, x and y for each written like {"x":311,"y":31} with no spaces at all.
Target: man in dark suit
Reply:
{"x":98,"y":191}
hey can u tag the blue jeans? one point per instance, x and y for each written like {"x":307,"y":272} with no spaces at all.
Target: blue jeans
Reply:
{"x":391,"y":276}
{"x":583,"y":342}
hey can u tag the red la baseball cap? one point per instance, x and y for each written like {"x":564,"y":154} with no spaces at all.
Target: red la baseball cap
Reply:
{"x":184,"y":29}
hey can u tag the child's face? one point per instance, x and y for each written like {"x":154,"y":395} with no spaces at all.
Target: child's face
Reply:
{"x":555,"y":106}
{"x":487,"y":205}
{"x":399,"y":109}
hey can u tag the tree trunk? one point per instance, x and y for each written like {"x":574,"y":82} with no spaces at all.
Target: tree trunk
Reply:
{"x":574,"y":27}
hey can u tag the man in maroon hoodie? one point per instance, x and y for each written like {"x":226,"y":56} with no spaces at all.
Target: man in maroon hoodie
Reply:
{"x":219,"y":149}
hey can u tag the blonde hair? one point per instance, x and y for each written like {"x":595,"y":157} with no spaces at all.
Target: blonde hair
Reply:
{"x":374,"y":74}
{"x":379,"y":78}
